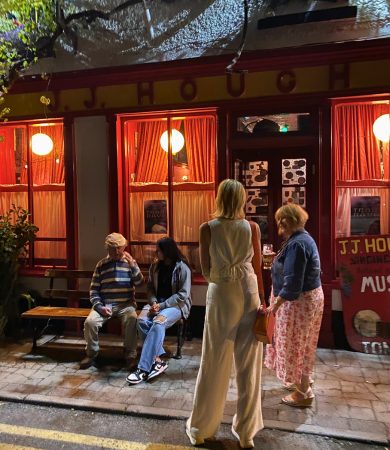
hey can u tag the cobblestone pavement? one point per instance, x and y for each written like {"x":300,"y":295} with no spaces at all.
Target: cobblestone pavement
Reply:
{"x":352,"y":389}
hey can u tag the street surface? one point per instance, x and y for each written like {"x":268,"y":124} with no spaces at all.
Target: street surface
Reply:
{"x":27,"y":427}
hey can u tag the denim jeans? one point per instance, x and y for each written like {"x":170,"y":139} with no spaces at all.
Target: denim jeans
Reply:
{"x":152,"y":332}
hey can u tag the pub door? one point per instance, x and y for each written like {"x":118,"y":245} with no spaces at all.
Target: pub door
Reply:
{"x":273,"y":177}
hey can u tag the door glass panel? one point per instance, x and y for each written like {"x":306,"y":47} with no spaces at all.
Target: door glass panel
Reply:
{"x":294,"y":171}
{"x":275,"y":123}
{"x":254,"y":177}
{"x":294,"y":175}
{"x":294,"y":194}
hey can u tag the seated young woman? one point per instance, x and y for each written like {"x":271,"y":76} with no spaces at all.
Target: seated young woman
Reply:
{"x":169,"y":297}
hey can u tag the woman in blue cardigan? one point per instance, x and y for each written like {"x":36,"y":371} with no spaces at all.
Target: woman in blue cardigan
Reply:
{"x":297,"y":301}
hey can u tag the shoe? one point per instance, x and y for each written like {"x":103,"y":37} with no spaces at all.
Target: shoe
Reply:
{"x":158,"y":368}
{"x":87,"y":362}
{"x":137,"y":376}
{"x":189,"y":432}
{"x":305,"y":402}
{"x":243,"y":444}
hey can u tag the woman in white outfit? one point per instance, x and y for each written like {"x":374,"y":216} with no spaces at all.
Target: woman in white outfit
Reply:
{"x":232,"y":301}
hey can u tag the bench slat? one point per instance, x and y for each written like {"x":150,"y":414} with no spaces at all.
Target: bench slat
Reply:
{"x":68,"y":274}
{"x":66,"y":293}
{"x":50,"y":312}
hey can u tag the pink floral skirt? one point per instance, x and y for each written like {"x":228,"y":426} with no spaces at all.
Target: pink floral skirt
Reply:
{"x":297,"y":327}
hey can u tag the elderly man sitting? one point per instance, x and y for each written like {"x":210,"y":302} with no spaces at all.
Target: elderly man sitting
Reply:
{"x":112,"y":295}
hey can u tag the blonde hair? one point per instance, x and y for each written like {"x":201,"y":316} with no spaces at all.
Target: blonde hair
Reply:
{"x":291,"y":216}
{"x":230,"y":200}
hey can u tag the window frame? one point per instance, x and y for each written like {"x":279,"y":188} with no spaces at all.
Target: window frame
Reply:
{"x":123,"y":173}
{"x":32,"y":263}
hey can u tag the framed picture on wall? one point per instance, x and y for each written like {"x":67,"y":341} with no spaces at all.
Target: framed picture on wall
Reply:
{"x":365,"y":215}
{"x":155,"y":216}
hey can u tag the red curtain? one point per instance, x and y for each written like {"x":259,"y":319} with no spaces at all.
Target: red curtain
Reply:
{"x":200,"y":136}
{"x":151,"y":161}
{"x":7,"y":155}
{"x":356,"y":148}
{"x":47,"y":169}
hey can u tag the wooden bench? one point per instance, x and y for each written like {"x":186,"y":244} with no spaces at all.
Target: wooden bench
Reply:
{"x":72,"y":311}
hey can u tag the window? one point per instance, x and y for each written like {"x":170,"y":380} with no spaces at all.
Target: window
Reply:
{"x":32,"y":176}
{"x":170,"y":185}
{"x":265,"y":125}
{"x":361,"y":170}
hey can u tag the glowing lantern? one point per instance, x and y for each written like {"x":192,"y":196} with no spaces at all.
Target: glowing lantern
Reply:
{"x":41,"y":144}
{"x":381,"y":128}
{"x":177,"y":141}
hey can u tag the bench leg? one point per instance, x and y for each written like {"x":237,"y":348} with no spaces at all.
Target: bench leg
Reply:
{"x":181,"y":331}
{"x":39,"y":333}
{"x":35,"y":338}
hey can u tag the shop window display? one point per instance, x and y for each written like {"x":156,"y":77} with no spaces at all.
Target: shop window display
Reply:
{"x":169,"y":195}
{"x":32,"y":176}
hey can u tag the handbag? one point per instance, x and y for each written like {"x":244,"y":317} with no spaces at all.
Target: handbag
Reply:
{"x":264,"y":323}
{"x":263,"y":327}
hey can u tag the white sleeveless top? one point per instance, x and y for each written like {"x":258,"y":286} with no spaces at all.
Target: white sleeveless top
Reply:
{"x":231,"y":250}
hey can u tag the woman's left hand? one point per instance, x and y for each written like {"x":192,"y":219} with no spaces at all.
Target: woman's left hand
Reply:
{"x":155,"y":308}
{"x":273,"y":308}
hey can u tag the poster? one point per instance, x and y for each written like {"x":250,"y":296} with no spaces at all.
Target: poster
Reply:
{"x":364,"y":267}
{"x":294,"y":171}
{"x":365,"y":215}
{"x":255,"y":200}
{"x":256,"y":173}
{"x":155,"y":216}
{"x":294,"y":194}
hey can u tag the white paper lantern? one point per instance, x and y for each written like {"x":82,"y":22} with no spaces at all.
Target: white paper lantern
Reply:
{"x":177,"y":141}
{"x":41,"y":144}
{"x":381,"y":128}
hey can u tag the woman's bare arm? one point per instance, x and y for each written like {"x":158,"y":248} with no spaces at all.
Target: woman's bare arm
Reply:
{"x":204,"y":244}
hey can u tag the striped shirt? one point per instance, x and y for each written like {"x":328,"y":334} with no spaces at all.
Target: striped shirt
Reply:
{"x":113,"y":282}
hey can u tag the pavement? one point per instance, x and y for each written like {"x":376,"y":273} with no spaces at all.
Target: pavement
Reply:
{"x":352,"y":389}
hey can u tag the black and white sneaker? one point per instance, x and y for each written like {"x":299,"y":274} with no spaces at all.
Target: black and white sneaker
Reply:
{"x":137,"y":376}
{"x":158,"y":368}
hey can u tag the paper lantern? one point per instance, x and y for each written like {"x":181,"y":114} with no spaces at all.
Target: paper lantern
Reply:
{"x":177,"y":141}
{"x":381,"y":128}
{"x":41,"y":144}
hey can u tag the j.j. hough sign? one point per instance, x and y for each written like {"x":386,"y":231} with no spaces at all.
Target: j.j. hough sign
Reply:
{"x":364,"y":268}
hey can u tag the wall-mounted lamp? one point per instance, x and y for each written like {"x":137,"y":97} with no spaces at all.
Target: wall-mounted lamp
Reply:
{"x":177,"y":141}
{"x":41,"y":144}
{"x":381,"y":128}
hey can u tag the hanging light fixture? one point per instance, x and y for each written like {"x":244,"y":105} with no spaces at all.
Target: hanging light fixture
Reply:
{"x":41,"y":144}
{"x":177,"y":141}
{"x":381,"y":128}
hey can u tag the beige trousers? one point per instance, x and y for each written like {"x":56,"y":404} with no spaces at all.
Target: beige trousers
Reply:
{"x":95,"y":321}
{"x":228,"y":337}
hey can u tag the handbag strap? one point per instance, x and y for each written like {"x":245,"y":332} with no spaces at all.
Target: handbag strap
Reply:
{"x":256,"y":260}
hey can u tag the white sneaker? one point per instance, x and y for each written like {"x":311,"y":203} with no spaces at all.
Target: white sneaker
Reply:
{"x":137,"y":376}
{"x":158,"y":368}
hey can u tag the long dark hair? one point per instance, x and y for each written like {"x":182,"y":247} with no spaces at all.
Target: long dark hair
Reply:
{"x":171,"y":251}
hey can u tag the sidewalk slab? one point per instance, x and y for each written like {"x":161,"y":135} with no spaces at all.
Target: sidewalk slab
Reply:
{"x":352,"y":389}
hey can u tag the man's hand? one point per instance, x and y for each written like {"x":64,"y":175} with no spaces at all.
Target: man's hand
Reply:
{"x":105,"y":311}
{"x":130,"y":260}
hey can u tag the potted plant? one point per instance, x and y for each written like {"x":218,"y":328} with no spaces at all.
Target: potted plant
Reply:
{"x":16,"y":232}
